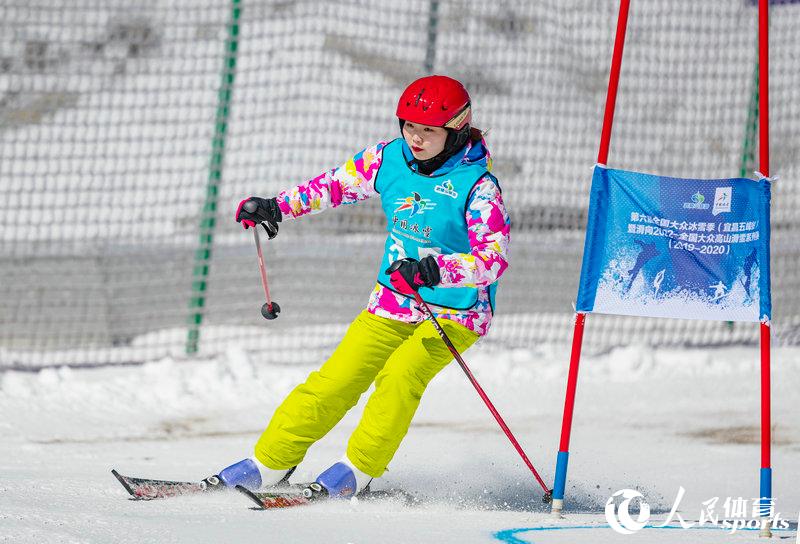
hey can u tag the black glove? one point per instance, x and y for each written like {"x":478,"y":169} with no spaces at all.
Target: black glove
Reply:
{"x":414,"y":273}
{"x":254,"y":210}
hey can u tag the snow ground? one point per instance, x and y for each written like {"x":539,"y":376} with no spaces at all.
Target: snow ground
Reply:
{"x":652,"y":420}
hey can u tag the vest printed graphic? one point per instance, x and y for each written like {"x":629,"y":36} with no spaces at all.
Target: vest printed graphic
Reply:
{"x":415,"y":203}
{"x":426,"y":216}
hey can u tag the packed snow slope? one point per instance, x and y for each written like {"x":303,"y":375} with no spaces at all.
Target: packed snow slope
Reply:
{"x":644,"y":419}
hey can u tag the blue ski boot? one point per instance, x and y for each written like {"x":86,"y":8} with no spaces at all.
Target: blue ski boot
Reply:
{"x":250,"y":473}
{"x":343,"y":480}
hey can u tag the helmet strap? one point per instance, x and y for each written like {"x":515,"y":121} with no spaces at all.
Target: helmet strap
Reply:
{"x":456,"y":140}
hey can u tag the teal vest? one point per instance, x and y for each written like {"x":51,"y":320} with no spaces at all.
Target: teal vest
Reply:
{"x":426,"y":216}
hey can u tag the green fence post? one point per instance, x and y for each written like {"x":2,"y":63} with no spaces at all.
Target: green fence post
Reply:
{"x":208,"y":215}
{"x":433,"y":29}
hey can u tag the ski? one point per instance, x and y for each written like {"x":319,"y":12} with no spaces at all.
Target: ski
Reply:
{"x":297,"y":495}
{"x":304,"y":494}
{"x":148,"y":489}
{"x":284,"y":495}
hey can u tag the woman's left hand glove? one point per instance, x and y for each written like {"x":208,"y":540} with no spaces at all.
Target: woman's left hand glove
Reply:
{"x":408,"y":275}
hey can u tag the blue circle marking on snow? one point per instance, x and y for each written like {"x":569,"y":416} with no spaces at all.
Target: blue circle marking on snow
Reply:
{"x":509,"y":536}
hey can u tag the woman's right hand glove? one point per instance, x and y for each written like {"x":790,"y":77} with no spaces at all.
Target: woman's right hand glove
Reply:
{"x":254,"y":210}
{"x":408,"y":275}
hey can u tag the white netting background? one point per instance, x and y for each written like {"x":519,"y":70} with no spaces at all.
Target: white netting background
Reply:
{"x":107,"y":113}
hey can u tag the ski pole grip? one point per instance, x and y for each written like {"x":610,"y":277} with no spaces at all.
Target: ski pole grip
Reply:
{"x":270,"y":227}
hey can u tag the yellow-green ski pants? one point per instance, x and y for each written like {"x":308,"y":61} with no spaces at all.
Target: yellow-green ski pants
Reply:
{"x":401,"y":358}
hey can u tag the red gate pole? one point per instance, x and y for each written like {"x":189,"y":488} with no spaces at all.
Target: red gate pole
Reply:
{"x":763,"y":129}
{"x":580,"y":317}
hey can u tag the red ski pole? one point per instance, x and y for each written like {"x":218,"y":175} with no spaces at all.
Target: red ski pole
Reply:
{"x":270,"y":309}
{"x":548,"y":493}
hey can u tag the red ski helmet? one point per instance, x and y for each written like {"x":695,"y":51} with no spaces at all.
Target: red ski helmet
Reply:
{"x":437,"y":101}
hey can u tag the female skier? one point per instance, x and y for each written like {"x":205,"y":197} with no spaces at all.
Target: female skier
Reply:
{"x":448,"y":232}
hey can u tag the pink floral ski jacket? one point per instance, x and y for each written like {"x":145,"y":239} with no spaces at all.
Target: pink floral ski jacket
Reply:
{"x":486,"y":219}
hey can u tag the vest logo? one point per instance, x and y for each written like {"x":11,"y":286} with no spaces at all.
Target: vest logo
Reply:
{"x":415,"y":203}
{"x":446,"y":188}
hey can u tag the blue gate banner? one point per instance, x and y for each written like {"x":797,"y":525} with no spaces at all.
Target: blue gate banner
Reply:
{"x":671,"y":247}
